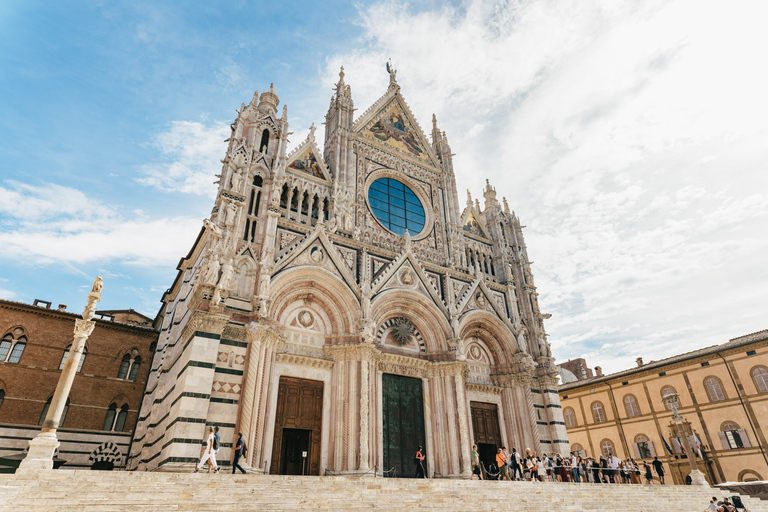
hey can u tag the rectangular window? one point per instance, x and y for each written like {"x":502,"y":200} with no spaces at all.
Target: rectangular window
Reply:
{"x":751,"y":352}
{"x":662,"y":374}
{"x":645,"y":451}
{"x":734,"y":439}
{"x":705,"y":363}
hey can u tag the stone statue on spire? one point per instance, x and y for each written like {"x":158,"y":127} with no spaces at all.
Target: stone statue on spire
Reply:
{"x":392,"y":72}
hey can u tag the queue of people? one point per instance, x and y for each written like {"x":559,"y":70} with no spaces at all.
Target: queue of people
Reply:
{"x":572,"y":468}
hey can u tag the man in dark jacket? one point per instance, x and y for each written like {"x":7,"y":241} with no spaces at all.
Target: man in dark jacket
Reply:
{"x":239,"y":452}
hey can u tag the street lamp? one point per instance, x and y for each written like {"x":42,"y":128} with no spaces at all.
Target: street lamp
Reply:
{"x":672,"y":401}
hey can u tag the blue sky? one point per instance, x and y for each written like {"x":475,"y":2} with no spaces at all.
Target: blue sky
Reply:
{"x":629,"y":137}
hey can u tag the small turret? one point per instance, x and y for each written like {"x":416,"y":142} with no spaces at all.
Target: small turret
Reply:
{"x":268,"y":101}
{"x":490,"y":195}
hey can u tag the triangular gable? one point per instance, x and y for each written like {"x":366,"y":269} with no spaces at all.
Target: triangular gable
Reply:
{"x":480,"y":297}
{"x":246,"y":252}
{"x":406,"y":272}
{"x":317,"y":250}
{"x":473,"y":223}
{"x":390,"y":122}
{"x":306,"y":160}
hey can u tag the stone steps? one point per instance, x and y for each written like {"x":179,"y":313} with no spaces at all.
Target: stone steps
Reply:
{"x":69,"y":490}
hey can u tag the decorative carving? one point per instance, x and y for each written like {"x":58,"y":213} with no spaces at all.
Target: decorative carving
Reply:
{"x":316,"y":254}
{"x":83,"y":328}
{"x":305,"y":318}
{"x":402,"y":330}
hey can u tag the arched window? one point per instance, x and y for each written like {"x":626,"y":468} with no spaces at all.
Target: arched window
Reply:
{"x":570,"y":417}
{"x":12,"y":346}
{"x":578,"y":450}
{"x":134,"y":368}
{"x":2,"y":397}
{"x":760,"y":374}
{"x":125,"y":365}
{"x":729,"y":425}
{"x":749,"y":475}
{"x":714,"y":389}
{"x":264,"y":144}
{"x":607,"y":447}
{"x":630,"y":404}
{"x":66,"y":354}
{"x":249,"y":235}
{"x":598,"y":412}
{"x":109,"y":419}
{"x":669,"y":390}
{"x":121,"y":417}
{"x":643,"y":448}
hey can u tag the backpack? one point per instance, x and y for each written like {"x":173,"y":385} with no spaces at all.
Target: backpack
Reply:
{"x":216,"y":441}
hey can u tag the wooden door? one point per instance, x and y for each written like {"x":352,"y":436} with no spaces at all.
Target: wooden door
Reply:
{"x":485,"y":423}
{"x":403,"y":414}
{"x":299,"y":406}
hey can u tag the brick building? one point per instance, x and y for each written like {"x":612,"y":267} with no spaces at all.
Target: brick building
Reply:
{"x":723,"y":399}
{"x":105,"y":397}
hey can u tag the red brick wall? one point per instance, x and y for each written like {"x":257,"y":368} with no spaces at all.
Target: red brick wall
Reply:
{"x":32,"y":381}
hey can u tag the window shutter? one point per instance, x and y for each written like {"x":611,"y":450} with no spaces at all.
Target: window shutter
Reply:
{"x":744,"y":438}
{"x":676,"y":445}
{"x":636,"y":451}
{"x":651,"y":448}
{"x":724,"y":440}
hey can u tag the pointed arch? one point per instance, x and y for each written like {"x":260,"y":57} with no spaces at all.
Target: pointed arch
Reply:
{"x":489,"y":328}
{"x":320,"y":287}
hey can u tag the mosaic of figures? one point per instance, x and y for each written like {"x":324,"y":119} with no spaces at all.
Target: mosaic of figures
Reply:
{"x":394,"y":130}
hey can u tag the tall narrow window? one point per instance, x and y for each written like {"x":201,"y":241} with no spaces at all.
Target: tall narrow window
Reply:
{"x":17,"y":350}
{"x":2,"y":397}
{"x":121,"y":417}
{"x":760,"y":374}
{"x":669,"y":390}
{"x":5,"y":347}
{"x":125,"y":365}
{"x":109,"y":419}
{"x":598,"y":412}
{"x":570,"y":417}
{"x":714,"y":389}
{"x":607,"y":447}
{"x":264,"y":144}
{"x":252,"y":213}
{"x":630,"y":404}
{"x":134,"y":368}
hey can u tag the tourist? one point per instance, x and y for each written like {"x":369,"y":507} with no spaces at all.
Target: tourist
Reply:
{"x":209,"y":455}
{"x":613,"y":464}
{"x":604,"y":470}
{"x":546,"y":463}
{"x":648,"y":473}
{"x":726,"y":505}
{"x":515,"y":463}
{"x":596,"y":467}
{"x":419,"y":461}
{"x":659,"y":467}
{"x":501,"y":463}
{"x":575,"y":467}
{"x":476,"y":464}
{"x":565,"y":469}
{"x":239,"y":452}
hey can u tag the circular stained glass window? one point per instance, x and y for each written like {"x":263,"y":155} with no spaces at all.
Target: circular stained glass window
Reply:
{"x":396,"y":206}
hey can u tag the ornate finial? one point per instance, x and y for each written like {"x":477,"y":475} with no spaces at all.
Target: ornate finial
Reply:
{"x":434,"y":121}
{"x":311,"y":135}
{"x":406,"y":241}
{"x":469,"y":198}
{"x":341,"y":74}
{"x":285,"y":113}
{"x":506,"y":206}
{"x":93,"y":298}
{"x":392,"y":72}
{"x":477,"y":205}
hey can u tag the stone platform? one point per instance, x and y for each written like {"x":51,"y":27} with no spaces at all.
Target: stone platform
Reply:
{"x":92,"y":491}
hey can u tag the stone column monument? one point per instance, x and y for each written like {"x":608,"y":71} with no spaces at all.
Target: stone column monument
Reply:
{"x":43,"y":446}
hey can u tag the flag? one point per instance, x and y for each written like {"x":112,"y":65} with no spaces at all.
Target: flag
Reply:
{"x":667,"y":446}
{"x":697,"y":445}
{"x":680,"y":444}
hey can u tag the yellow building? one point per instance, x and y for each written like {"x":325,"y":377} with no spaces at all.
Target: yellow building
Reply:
{"x":723,"y":399}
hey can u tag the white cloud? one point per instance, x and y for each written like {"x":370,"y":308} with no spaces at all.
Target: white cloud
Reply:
{"x":51,"y":223}
{"x":630,"y":138}
{"x":192,"y":152}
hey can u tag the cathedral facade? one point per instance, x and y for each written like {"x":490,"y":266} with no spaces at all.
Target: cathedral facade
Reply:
{"x":340,"y":308}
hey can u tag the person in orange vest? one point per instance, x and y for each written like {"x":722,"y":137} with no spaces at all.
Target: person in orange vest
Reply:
{"x":501,"y":462}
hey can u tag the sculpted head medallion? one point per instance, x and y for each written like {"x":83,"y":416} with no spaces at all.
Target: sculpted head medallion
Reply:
{"x":316,"y":254}
{"x":305,"y":318}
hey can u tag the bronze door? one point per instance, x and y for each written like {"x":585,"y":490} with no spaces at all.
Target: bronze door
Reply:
{"x":403,"y":415}
{"x":298,"y":425}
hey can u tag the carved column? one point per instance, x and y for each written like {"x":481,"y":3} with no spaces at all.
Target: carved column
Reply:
{"x":43,"y":446}
{"x":461,"y":411}
{"x":364,"y":415}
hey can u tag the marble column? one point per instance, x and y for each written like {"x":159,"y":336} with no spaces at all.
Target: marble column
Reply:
{"x":43,"y":446}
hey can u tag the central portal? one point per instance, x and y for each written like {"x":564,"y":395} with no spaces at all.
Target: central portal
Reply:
{"x":403,"y":413}
{"x":296,"y":448}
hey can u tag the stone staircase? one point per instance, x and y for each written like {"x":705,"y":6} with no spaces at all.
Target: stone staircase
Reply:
{"x":91,"y":491}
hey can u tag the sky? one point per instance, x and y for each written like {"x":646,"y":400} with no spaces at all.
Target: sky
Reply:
{"x":629,"y":137}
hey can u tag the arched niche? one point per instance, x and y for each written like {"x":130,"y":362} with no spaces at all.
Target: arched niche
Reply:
{"x":479,"y":360}
{"x":245,"y":278}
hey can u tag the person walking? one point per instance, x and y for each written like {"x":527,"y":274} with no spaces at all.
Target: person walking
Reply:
{"x":209,"y":455}
{"x":419,"y":461}
{"x":648,"y":473}
{"x":515,"y":465}
{"x":659,"y":467}
{"x":501,"y":463}
{"x":239,"y":452}
{"x":476,"y":470}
